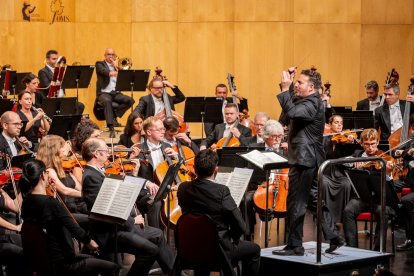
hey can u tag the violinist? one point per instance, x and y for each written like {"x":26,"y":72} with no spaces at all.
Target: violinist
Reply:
{"x":369,"y":140}
{"x":10,"y":142}
{"x":46,"y":74}
{"x":222,"y":93}
{"x":373,"y":100}
{"x":47,"y":212}
{"x":31,"y":83}
{"x":34,"y":120}
{"x":152,"y":104}
{"x":259,"y":122}
{"x":230,"y":127}
{"x":171,"y":136}
{"x":389,"y":117}
{"x":146,"y":243}
{"x":133,"y":134}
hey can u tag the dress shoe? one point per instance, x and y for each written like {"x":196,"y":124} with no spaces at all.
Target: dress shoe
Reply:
{"x":335,"y":244}
{"x":290,"y":251}
{"x":407,"y":245}
{"x":116,"y":123}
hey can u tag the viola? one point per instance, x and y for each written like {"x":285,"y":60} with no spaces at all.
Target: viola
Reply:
{"x":5,"y":175}
{"x":69,"y":163}
{"x":278,"y":191}
{"x":343,"y":137}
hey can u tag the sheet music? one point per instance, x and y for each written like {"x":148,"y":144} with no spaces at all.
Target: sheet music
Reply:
{"x":239,"y":179}
{"x":105,"y":195}
{"x":222,"y":178}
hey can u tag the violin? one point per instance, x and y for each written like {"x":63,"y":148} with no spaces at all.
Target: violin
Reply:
{"x":69,"y":163}
{"x":343,"y":137}
{"x":5,"y":175}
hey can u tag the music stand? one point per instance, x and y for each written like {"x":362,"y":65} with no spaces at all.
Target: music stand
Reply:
{"x":132,"y":80}
{"x":12,"y":80}
{"x":18,"y":160}
{"x":164,"y":189}
{"x":204,"y":110}
{"x":363,"y":119}
{"x":346,"y":113}
{"x":59,"y":106}
{"x":19,"y":85}
{"x":64,"y":125}
{"x":77,"y":77}
{"x":5,"y":105}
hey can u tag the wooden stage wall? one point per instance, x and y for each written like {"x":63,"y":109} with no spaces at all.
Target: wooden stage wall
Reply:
{"x":197,"y":42}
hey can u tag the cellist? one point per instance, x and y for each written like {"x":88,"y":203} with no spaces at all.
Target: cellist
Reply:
{"x":172,"y":135}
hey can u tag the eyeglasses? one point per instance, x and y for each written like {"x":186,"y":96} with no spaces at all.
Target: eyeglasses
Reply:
{"x":157,"y":88}
{"x":110,"y":54}
{"x":276,"y":136}
{"x":16,"y":124}
{"x":159,"y":129}
{"x":105,"y":150}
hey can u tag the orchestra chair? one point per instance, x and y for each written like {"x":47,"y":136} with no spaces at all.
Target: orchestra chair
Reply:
{"x":35,"y":249}
{"x":198,"y":246}
{"x":98,"y":110}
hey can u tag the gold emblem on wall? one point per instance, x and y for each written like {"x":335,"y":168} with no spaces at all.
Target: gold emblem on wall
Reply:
{"x":31,"y":12}
{"x":57,"y":9}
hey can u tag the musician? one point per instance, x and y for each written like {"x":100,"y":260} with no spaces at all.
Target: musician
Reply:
{"x":205,"y":196}
{"x":133,"y":131}
{"x":171,"y":135}
{"x":153,"y":103}
{"x":46,"y":74}
{"x":388,"y":117}
{"x":159,"y":152}
{"x":222,"y":94}
{"x":230,"y":127}
{"x":146,"y":243}
{"x":369,"y":141}
{"x":10,"y":142}
{"x":31,"y":83}
{"x":259,"y":122}
{"x":305,"y":110}
{"x":335,"y":149}
{"x":372,"y":101}
{"x":34,"y":121}
{"x":59,"y":227}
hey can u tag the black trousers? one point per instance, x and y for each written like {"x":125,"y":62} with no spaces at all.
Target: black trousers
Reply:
{"x":407,"y":210}
{"x":248,"y":212}
{"x":302,"y":194}
{"x":86,"y":265}
{"x":11,"y":254}
{"x":106,"y":99}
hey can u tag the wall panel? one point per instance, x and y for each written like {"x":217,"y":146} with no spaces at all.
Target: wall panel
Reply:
{"x":271,"y":10}
{"x":387,"y":12}
{"x":212,"y":10}
{"x":152,"y":10}
{"x":103,"y":11}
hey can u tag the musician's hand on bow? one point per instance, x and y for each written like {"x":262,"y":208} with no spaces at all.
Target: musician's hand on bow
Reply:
{"x":92,"y":245}
{"x":152,"y":187}
{"x":286,"y":81}
{"x":389,"y":166}
{"x":183,"y":137}
{"x":236,"y":132}
{"x":410,"y":98}
{"x":135,"y":152}
{"x":24,"y":141}
{"x":171,"y":153}
{"x":139,"y":220}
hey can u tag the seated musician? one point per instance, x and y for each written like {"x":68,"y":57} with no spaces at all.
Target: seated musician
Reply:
{"x":107,"y":73}
{"x":230,"y":127}
{"x":146,"y":243}
{"x":10,"y":142}
{"x":31,"y":82}
{"x":47,"y":212}
{"x":340,"y":145}
{"x":388,"y":117}
{"x":133,"y":131}
{"x":222,"y":94}
{"x":159,"y":151}
{"x":172,"y":135}
{"x":205,"y":196}
{"x":259,"y":121}
{"x":369,"y":140}
{"x":153,"y":103}
{"x":35,"y":120}
{"x":46,"y":74}
{"x":372,"y":101}
{"x":11,"y":252}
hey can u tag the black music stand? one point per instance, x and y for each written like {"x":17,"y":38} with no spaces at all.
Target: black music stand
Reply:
{"x":363,"y":119}
{"x":59,"y":106}
{"x":132,"y":80}
{"x":64,"y":125}
{"x":77,"y":77}
{"x":20,"y":86}
{"x":204,"y":110}
{"x":18,"y":160}
{"x":5,"y":105}
{"x":164,"y":189}
{"x":12,"y":80}
{"x":346,"y":113}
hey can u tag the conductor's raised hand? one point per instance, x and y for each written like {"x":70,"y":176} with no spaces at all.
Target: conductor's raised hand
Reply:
{"x":286,"y":80}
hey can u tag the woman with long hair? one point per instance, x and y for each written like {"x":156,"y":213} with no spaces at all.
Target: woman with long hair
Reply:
{"x":132,"y":135}
{"x":49,"y":214}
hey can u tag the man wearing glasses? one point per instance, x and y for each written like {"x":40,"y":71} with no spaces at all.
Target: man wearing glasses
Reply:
{"x":107,"y":73}
{"x":10,"y":142}
{"x":153,"y":103}
{"x":259,"y":122}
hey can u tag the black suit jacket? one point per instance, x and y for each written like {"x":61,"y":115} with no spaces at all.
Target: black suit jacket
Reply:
{"x":102,"y":74}
{"x":248,"y":141}
{"x":147,"y":171}
{"x":307,"y":122}
{"x":209,"y":127}
{"x":206,"y":197}
{"x":5,"y":148}
{"x":45,"y":77}
{"x":383,"y":121}
{"x":364,"y":104}
{"x":218,"y":132}
{"x":146,"y":106}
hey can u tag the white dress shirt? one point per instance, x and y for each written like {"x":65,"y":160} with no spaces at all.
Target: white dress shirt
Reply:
{"x":112,"y":80}
{"x":156,"y":154}
{"x":159,"y":104}
{"x":11,"y":141}
{"x":395,"y":116}
{"x":374,"y":104}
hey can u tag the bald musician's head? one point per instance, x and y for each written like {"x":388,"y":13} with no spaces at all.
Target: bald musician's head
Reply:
{"x":109,"y":55}
{"x":95,"y":150}
{"x":11,"y":123}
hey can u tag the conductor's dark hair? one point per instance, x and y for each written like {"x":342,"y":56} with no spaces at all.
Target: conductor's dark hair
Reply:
{"x":51,"y":52}
{"x":32,"y":171}
{"x":205,"y":163}
{"x":314,"y":78}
